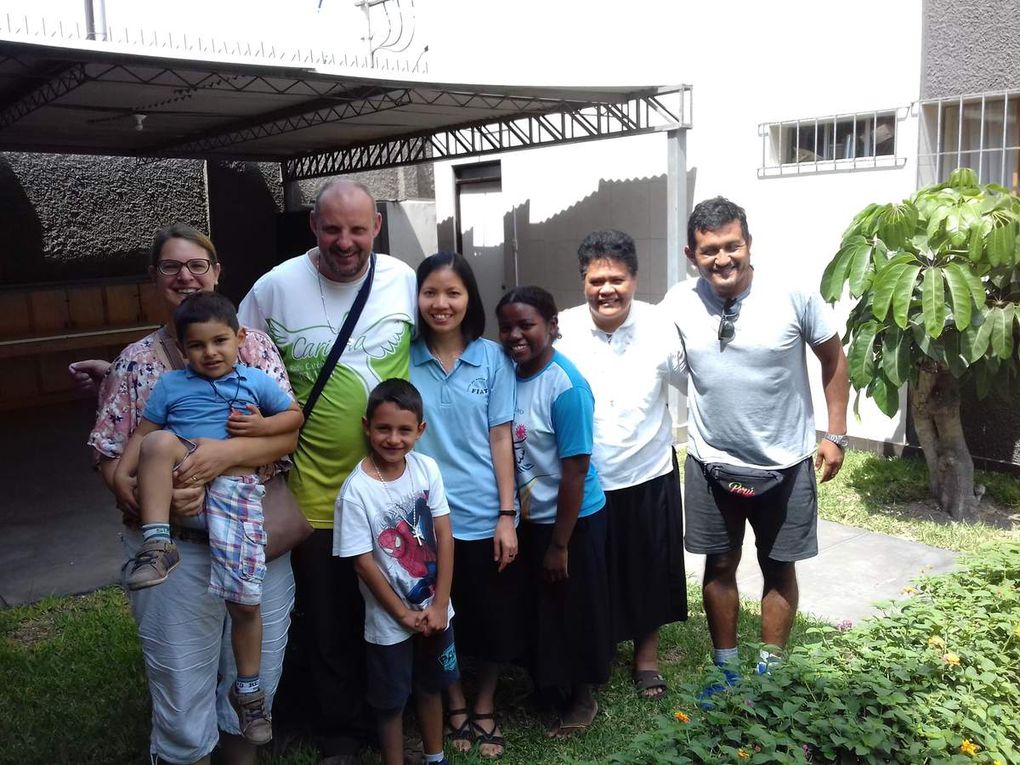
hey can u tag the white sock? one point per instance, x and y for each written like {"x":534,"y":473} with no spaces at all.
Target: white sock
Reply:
{"x":439,"y":757}
{"x":722,"y":656}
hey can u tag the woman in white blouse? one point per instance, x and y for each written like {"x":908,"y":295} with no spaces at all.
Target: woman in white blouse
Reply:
{"x":630,"y":356}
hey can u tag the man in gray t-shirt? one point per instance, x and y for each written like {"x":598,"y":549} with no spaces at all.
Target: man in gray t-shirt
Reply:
{"x":751,"y":432}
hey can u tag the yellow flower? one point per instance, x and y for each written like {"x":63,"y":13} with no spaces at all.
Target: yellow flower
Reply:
{"x":996,"y":762}
{"x":1016,"y":630}
{"x":969,"y":747}
{"x":682,"y":717}
{"x":936,"y":642}
{"x":742,"y":754}
{"x":908,"y":590}
{"x":951,"y":658}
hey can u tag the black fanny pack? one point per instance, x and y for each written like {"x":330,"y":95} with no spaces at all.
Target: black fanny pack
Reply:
{"x":742,"y":481}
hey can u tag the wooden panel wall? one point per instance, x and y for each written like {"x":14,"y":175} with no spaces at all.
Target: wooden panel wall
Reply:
{"x":43,"y":330}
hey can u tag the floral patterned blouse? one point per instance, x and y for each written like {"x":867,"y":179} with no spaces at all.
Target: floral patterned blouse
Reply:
{"x":133,"y":375}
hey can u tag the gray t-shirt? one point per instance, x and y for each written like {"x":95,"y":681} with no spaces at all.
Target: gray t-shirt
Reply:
{"x":749,"y":398}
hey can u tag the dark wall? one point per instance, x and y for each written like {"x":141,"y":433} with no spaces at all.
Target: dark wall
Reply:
{"x":992,"y":427}
{"x":64,"y":218}
{"x":970,"y":47}
{"x":244,"y":200}
{"x":394,"y":183}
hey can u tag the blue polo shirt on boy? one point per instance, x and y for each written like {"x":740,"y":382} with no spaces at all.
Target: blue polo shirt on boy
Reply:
{"x":460,"y":407}
{"x":554,"y":419}
{"x":194,"y":406}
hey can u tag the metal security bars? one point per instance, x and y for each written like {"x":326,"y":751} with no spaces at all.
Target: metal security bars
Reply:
{"x":663,"y":109}
{"x":865,"y":140}
{"x":979,"y":131}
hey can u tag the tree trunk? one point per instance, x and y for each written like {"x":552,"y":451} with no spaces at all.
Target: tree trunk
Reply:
{"x":935,"y":404}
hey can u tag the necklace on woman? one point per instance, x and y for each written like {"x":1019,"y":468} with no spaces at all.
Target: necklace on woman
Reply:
{"x":415,"y":531}
{"x":322,"y":299}
{"x":447,"y":359}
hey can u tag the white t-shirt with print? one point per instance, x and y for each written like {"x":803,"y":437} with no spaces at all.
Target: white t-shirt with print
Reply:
{"x":393,"y":521}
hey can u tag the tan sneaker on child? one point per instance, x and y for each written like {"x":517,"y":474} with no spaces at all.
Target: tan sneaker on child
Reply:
{"x":252,"y":717}
{"x":153,"y":564}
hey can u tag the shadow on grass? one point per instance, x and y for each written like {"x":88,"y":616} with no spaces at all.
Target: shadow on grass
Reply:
{"x":880,"y":481}
{"x":897,"y":489}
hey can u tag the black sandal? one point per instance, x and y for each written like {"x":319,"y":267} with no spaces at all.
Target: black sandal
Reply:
{"x":464,"y":732}
{"x":488,"y":737}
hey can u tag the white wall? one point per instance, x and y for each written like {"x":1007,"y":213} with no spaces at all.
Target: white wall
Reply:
{"x":748,"y":63}
{"x":559,"y":195}
{"x":411,"y":230}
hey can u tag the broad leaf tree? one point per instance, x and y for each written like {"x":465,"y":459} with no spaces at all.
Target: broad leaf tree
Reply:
{"x":937,"y":283}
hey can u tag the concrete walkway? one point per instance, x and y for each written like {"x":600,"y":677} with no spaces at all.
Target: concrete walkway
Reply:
{"x":854,"y":569}
{"x":59,"y":531}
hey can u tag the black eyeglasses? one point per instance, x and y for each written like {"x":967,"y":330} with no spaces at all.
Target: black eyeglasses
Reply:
{"x":198,"y":266}
{"x":727,"y":322}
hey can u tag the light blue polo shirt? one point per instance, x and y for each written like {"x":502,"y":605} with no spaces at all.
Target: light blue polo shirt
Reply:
{"x":460,"y":408}
{"x":554,"y":419}
{"x":194,"y":406}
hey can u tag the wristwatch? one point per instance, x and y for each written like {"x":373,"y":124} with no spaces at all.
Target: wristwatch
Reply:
{"x":839,"y":440}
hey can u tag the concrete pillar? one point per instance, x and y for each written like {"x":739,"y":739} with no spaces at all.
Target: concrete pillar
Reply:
{"x":676,"y":235}
{"x":676,"y":206}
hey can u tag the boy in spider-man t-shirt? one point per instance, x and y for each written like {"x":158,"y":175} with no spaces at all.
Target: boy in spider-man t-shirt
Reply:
{"x":392,"y":517}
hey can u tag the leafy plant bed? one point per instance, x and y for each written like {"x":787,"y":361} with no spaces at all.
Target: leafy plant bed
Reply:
{"x":933,"y":680}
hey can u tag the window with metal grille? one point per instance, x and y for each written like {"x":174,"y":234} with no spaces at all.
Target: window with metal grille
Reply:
{"x":981,"y":132}
{"x":828,"y":144}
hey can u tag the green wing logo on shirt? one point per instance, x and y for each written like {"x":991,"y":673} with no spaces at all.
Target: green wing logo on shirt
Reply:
{"x":381,"y":340}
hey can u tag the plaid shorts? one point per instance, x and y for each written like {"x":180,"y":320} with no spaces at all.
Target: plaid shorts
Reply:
{"x":237,"y":538}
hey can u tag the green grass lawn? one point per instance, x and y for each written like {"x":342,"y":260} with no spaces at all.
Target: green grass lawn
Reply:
{"x":72,"y":687}
{"x":890,"y":495}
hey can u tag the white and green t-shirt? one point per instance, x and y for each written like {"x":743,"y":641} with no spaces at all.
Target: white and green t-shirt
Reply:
{"x":302,"y":312}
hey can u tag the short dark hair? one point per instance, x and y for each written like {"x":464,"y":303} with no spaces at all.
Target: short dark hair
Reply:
{"x":396,"y":391}
{"x":473,"y":326}
{"x":181,"y":231}
{"x":607,"y":245}
{"x":712,"y":214}
{"x":201,"y":307}
{"x":536,"y":297}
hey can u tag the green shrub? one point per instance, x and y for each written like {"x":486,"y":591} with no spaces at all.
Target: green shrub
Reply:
{"x":934,"y":680}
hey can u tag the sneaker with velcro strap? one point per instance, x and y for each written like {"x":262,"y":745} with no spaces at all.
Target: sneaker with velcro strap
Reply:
{"x":253,"y":718}
{"x":152,"y":564}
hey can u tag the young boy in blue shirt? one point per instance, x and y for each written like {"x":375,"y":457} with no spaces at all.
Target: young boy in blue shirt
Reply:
{"x":197,"y":402}
{"x":393,"y":518}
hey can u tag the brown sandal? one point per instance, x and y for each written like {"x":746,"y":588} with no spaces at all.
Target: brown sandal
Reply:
{"x":483,"y":736}
{"x":646,"y":680}
{"x":463,"y":732}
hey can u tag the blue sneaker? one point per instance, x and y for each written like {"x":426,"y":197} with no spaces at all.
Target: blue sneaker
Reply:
{"x":729,"y":679}
{"x":767,"y":661}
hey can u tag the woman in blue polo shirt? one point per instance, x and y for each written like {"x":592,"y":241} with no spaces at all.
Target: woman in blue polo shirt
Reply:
{"x":468,"y":386}
{"x":563,"y":525}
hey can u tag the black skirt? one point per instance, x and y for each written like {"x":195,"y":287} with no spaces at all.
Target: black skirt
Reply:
{"x":568,"y":621}
{"x":645,"y":556}
{"x":489,"y":606}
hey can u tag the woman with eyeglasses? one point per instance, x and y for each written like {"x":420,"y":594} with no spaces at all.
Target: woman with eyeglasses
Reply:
{"x":184,"y":631}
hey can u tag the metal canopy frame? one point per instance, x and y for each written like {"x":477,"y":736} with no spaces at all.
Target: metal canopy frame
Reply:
{"x":87,"y":100}
{"x":664,"y":109}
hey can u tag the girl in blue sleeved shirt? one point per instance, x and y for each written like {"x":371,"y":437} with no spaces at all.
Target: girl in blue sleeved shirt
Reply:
{"x":563,"y":529}
{"x":468,"y":386}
